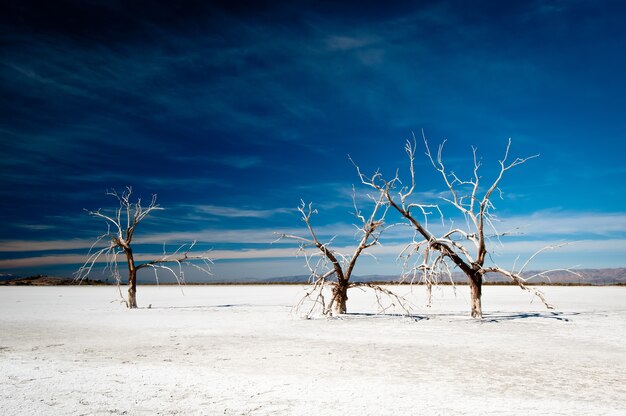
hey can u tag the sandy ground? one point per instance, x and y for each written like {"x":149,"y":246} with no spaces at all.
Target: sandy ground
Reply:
{"x":240,"y":350}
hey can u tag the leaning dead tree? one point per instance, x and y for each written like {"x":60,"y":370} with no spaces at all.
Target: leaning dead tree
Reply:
{"x":455,"y":248}
{"x":331,"y":269}
{"x":121,"y":227}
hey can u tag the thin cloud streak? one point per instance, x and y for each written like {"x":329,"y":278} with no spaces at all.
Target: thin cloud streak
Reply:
{"x":232,"y":212}
{"x":532,"y":227}
{"x":572,"y":223}
{"x":209,"y":236}
{"x":391,"y":251}
{"x":14,"y":246}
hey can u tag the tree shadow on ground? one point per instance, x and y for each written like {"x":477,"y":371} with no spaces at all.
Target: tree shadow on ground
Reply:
{"x":357,"y":315}
{"x":201,"y":307}
{"x":502,"y":317}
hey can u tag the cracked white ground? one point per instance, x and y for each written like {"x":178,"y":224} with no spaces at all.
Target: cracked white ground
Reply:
{"x":239,"y":350}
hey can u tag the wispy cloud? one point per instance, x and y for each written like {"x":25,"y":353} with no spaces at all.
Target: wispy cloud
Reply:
{"x":204,"y":236}
{"x":537,"y":227}
{"x":552,"y":222}
{"x":233,"y":212}
{"x":507,"y":252}
{"x":48,"y":260}
{"x":240,"y":162}
{"x":37,"y":227}
{"x":345,"y":43}
{"x":15,"y":246}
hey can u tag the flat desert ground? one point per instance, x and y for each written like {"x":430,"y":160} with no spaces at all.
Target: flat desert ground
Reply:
{"x":243,"y":350}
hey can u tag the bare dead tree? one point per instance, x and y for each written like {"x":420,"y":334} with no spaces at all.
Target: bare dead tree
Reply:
{"x":438,"y":255}
{"x":121,"y":226}
{"x":332,"y":269}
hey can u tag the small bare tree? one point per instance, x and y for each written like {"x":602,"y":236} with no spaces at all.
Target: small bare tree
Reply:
{"x":439,"y":255}
{"x":331,"y":269}
{"x":121,"y":226}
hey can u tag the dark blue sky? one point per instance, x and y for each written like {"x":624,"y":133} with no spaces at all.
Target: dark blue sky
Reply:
{"x":231,"y":112}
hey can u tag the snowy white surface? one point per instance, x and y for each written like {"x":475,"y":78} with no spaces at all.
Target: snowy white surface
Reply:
{"x":239,"y":350}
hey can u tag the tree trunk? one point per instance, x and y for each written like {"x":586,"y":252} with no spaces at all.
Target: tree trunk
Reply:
{"x":340,"y":297}
{"x":476,"y":283}
{"x":132,"y":279}
{"x":132,"y":289}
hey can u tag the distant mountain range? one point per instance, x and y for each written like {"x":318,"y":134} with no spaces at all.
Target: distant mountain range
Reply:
{"x":587,"y":277}
{"x":596,"y":277}
{"x":42,"y":280}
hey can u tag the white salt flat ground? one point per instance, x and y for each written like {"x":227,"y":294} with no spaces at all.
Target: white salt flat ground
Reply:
{"x":239,"y":350}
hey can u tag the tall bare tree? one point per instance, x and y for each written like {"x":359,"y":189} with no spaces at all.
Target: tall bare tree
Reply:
{"x":332,"y":269}
{"x":439,"y":255}
{"x":121,"y":227}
